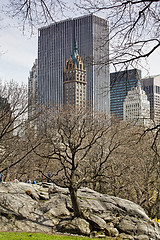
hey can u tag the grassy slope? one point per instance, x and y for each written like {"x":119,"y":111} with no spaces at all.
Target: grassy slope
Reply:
{"x":40,"y":236}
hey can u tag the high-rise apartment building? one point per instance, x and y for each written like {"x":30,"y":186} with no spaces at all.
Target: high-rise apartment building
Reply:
{"x":136,"y":107}
{"x":151,"y":86}
{"x":120,"y":83}
{"x":32,"y":89}
{"x":56,"y":43}
{"x":75,"y":81}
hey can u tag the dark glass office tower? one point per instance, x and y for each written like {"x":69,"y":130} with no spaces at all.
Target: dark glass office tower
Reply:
{"x":56,"y":43}
{"x":122,"y":82}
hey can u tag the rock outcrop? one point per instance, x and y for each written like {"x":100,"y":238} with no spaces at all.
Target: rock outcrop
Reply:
{"x":27,"y":207}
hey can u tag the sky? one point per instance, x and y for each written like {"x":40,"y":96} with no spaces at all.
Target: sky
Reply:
{"x":18,"y":52}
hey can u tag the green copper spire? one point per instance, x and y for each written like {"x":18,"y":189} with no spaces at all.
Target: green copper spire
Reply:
{"x":75,"y":54}
{"x":76,"y":47}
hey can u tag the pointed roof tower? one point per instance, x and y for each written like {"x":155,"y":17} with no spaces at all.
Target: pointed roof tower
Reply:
{"x":75,"y":55}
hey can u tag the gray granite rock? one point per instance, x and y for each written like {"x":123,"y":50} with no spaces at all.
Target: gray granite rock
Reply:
{"x":75,"y":226}
{"x":22,"y":210}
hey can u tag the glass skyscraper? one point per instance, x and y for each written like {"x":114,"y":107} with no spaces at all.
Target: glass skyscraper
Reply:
{"x":151,"y":86}
{"x":56,"y":43}
{"x":120,"y":83}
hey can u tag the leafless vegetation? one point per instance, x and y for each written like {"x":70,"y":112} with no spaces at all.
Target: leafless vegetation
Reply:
{"x":78,"y":149}
{"x":134,"y":25}
{"x":134,"y":28}
{"x":82,"y":149}
{"x":35,"y":13}
{"x":13,"y":125}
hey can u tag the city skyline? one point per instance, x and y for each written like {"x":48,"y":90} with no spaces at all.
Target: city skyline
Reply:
{"x":17,"y":64}
{"x":56,"y":43}
{"x":121,"y":83}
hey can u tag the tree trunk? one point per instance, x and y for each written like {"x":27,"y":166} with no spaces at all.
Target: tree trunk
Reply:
{"x":75,"y":203}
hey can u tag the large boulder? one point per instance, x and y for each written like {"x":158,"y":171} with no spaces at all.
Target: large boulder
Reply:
{"x":22,"y":209}
{"x":76,"y":226}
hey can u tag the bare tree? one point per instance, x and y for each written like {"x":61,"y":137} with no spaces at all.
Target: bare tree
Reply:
{"x":77,"y":146}
{"x":13,"y":124}
{"x":134,"y":35}
{"x":134,"y":25}
{"x":35,"y":13}
{"x":132,"y":170}
{"x":134,"y":28}
{"x":69,"y":140}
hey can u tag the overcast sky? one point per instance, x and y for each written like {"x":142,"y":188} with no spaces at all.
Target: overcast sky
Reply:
{"x":18,"y":52}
